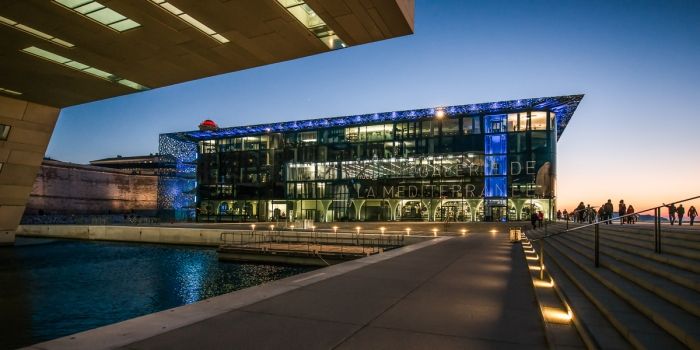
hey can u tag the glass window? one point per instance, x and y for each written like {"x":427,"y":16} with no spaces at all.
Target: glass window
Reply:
{"x":495,"y":186}
{"x":495,"y":123}
{"x":352,"y":134}
{"x":538,"y":120}
{"x":496,"y":144}
{"x":308,"y":136}
{"x":517,"y":121}
{"x":450,"y":127}
{"x":4,"y":131}
{"x":426,"y":128}
{"x":471,"y":125}
{"x":495,"y":165}
{"x":207,"y":146}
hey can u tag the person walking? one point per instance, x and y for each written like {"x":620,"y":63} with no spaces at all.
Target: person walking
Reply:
{"x":692,"y":213}
{"x":540,"y":217}
{"x":533,"y":219}
{"x":580,"y":212}
{"x":671,"y":213}
{"x":630,"y":211}
{"x":680,"y":211}
{"x":559,"y":215}
{"x":621,"y":211}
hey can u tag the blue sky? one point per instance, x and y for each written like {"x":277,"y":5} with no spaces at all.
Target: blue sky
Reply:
{"x":634,"y":135}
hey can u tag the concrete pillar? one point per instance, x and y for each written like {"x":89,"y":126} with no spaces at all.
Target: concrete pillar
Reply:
{"x":358,"y":203}
{"x":31,"y":126}
{"x":393,"y":204}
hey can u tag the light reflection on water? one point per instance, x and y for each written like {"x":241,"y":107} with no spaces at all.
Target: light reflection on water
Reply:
{"x":52,"y":288}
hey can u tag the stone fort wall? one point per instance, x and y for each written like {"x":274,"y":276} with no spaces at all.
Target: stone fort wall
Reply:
{"x":73,"y":189}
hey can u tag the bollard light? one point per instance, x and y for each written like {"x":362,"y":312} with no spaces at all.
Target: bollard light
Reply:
{"x":272,"y":227}
{"x":408,"y":231}
{"x":292,"y":227}
{"x":464,"y":232}
{"x":382,"y":229}
{"x":313,"y":228}
{"x":435,"y":232}
{"x":335,"y":229}
{"x":358,"y":230}
{"x":252,"y":227}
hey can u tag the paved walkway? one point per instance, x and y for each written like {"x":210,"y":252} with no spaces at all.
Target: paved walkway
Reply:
{"x":466,"y":292}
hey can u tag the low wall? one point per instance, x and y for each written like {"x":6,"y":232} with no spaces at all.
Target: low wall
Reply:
{"x":152,"y":234}
{"x":143,"y":234}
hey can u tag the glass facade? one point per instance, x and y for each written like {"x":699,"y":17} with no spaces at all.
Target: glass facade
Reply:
{"x":437,"y":167}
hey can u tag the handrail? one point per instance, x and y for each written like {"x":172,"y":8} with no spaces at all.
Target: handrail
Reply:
{"x":597,"y":222}
{"x":596,"y":225}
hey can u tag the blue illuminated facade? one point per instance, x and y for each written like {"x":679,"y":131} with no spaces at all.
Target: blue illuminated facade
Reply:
{"x":478,"y":162}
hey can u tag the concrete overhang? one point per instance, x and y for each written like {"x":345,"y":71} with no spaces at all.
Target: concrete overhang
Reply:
{"x":164,"y":49}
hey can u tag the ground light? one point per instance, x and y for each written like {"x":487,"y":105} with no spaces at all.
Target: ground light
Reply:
{"x":272,"y":227}
{"x":408,"y":231}
{"x":435,"y":232}
{"x":555,"y":315}
{"x":252,"y":227}
{"x":382,"y":229}
{"x":335,"y":230}
{"x":464,"y":232}
{"x":291,"y":227}
{"x":358,"y":230}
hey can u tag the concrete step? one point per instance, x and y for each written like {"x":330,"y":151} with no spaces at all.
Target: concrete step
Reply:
{"x":687,"y":264}
{"x":666,"y":238}
{"x":595,"y":329}
{"x":642,"y":259}
{"x":637,"y":329}
{"x":667,"y":316}
{"x":630,"y":240}
{"x":681,"y":296}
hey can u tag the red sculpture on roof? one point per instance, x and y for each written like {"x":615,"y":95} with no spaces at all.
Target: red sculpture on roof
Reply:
{"x":208,"y":125}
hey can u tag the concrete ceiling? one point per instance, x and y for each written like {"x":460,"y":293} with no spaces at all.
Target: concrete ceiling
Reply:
{"x":164,"y":50}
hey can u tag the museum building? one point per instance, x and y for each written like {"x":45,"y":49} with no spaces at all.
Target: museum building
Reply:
{"x":479,"y":162}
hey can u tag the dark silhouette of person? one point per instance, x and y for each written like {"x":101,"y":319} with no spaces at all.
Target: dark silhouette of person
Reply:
{"x":533,"y":219}
{"x":608,"y":212}
{"x":540,"y":217}
{"x":580,"y":212}
{"x":671,"y":212}
{"x":680,"y":211}
{"x":621,"y":211}
{"x":692,"y":213}
{"x":630,"y":211}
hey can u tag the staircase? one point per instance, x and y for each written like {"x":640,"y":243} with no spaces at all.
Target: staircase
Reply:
{"x":636,"y":298}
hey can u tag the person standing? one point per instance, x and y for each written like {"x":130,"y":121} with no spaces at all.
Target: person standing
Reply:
{"x":680,"y":211}
{"x":630,"y":211}
{"x":559,"y":215}
{"x":671,"y":213}
{"x":580,"y":212}
{"x":692,"y":213}
{"x":608,"y":212}
{"x":540,"y":218}
{"x":621,"y":211}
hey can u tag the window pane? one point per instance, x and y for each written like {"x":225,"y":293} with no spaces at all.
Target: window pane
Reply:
{"x":495,"y":123}
{"x":106,"y":16}
{"x":471,"y":125}
{"x":496,"y":144}
{"x":495,"y":165}
{"x":538,"y":120}
{"x":72,"y":3}
{"x":4,"y":131}
{"x":124,"y":25}
{"x":306,"y":16}
{"x":450,"y":127}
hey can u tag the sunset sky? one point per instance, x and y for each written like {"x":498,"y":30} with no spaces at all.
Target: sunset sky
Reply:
{"x":635,"y":136}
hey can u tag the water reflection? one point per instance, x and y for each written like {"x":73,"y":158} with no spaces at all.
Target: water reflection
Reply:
{"x":52,"y":288}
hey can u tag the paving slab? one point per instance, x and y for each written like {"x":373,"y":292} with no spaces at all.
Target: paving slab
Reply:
{"x":464,"y":292}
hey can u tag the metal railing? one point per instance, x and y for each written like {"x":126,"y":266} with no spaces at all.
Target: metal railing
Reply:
{"x":596,"y":231}
{"x":317,"y":242}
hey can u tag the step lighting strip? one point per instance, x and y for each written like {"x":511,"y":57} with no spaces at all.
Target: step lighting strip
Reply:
{"x":11,"y":92}
{"x":67,"y":62}
{"x":37,"y":33}
{"x":99,"y":13}
{"x":168,"y":7}
{"x":315,"y":24}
